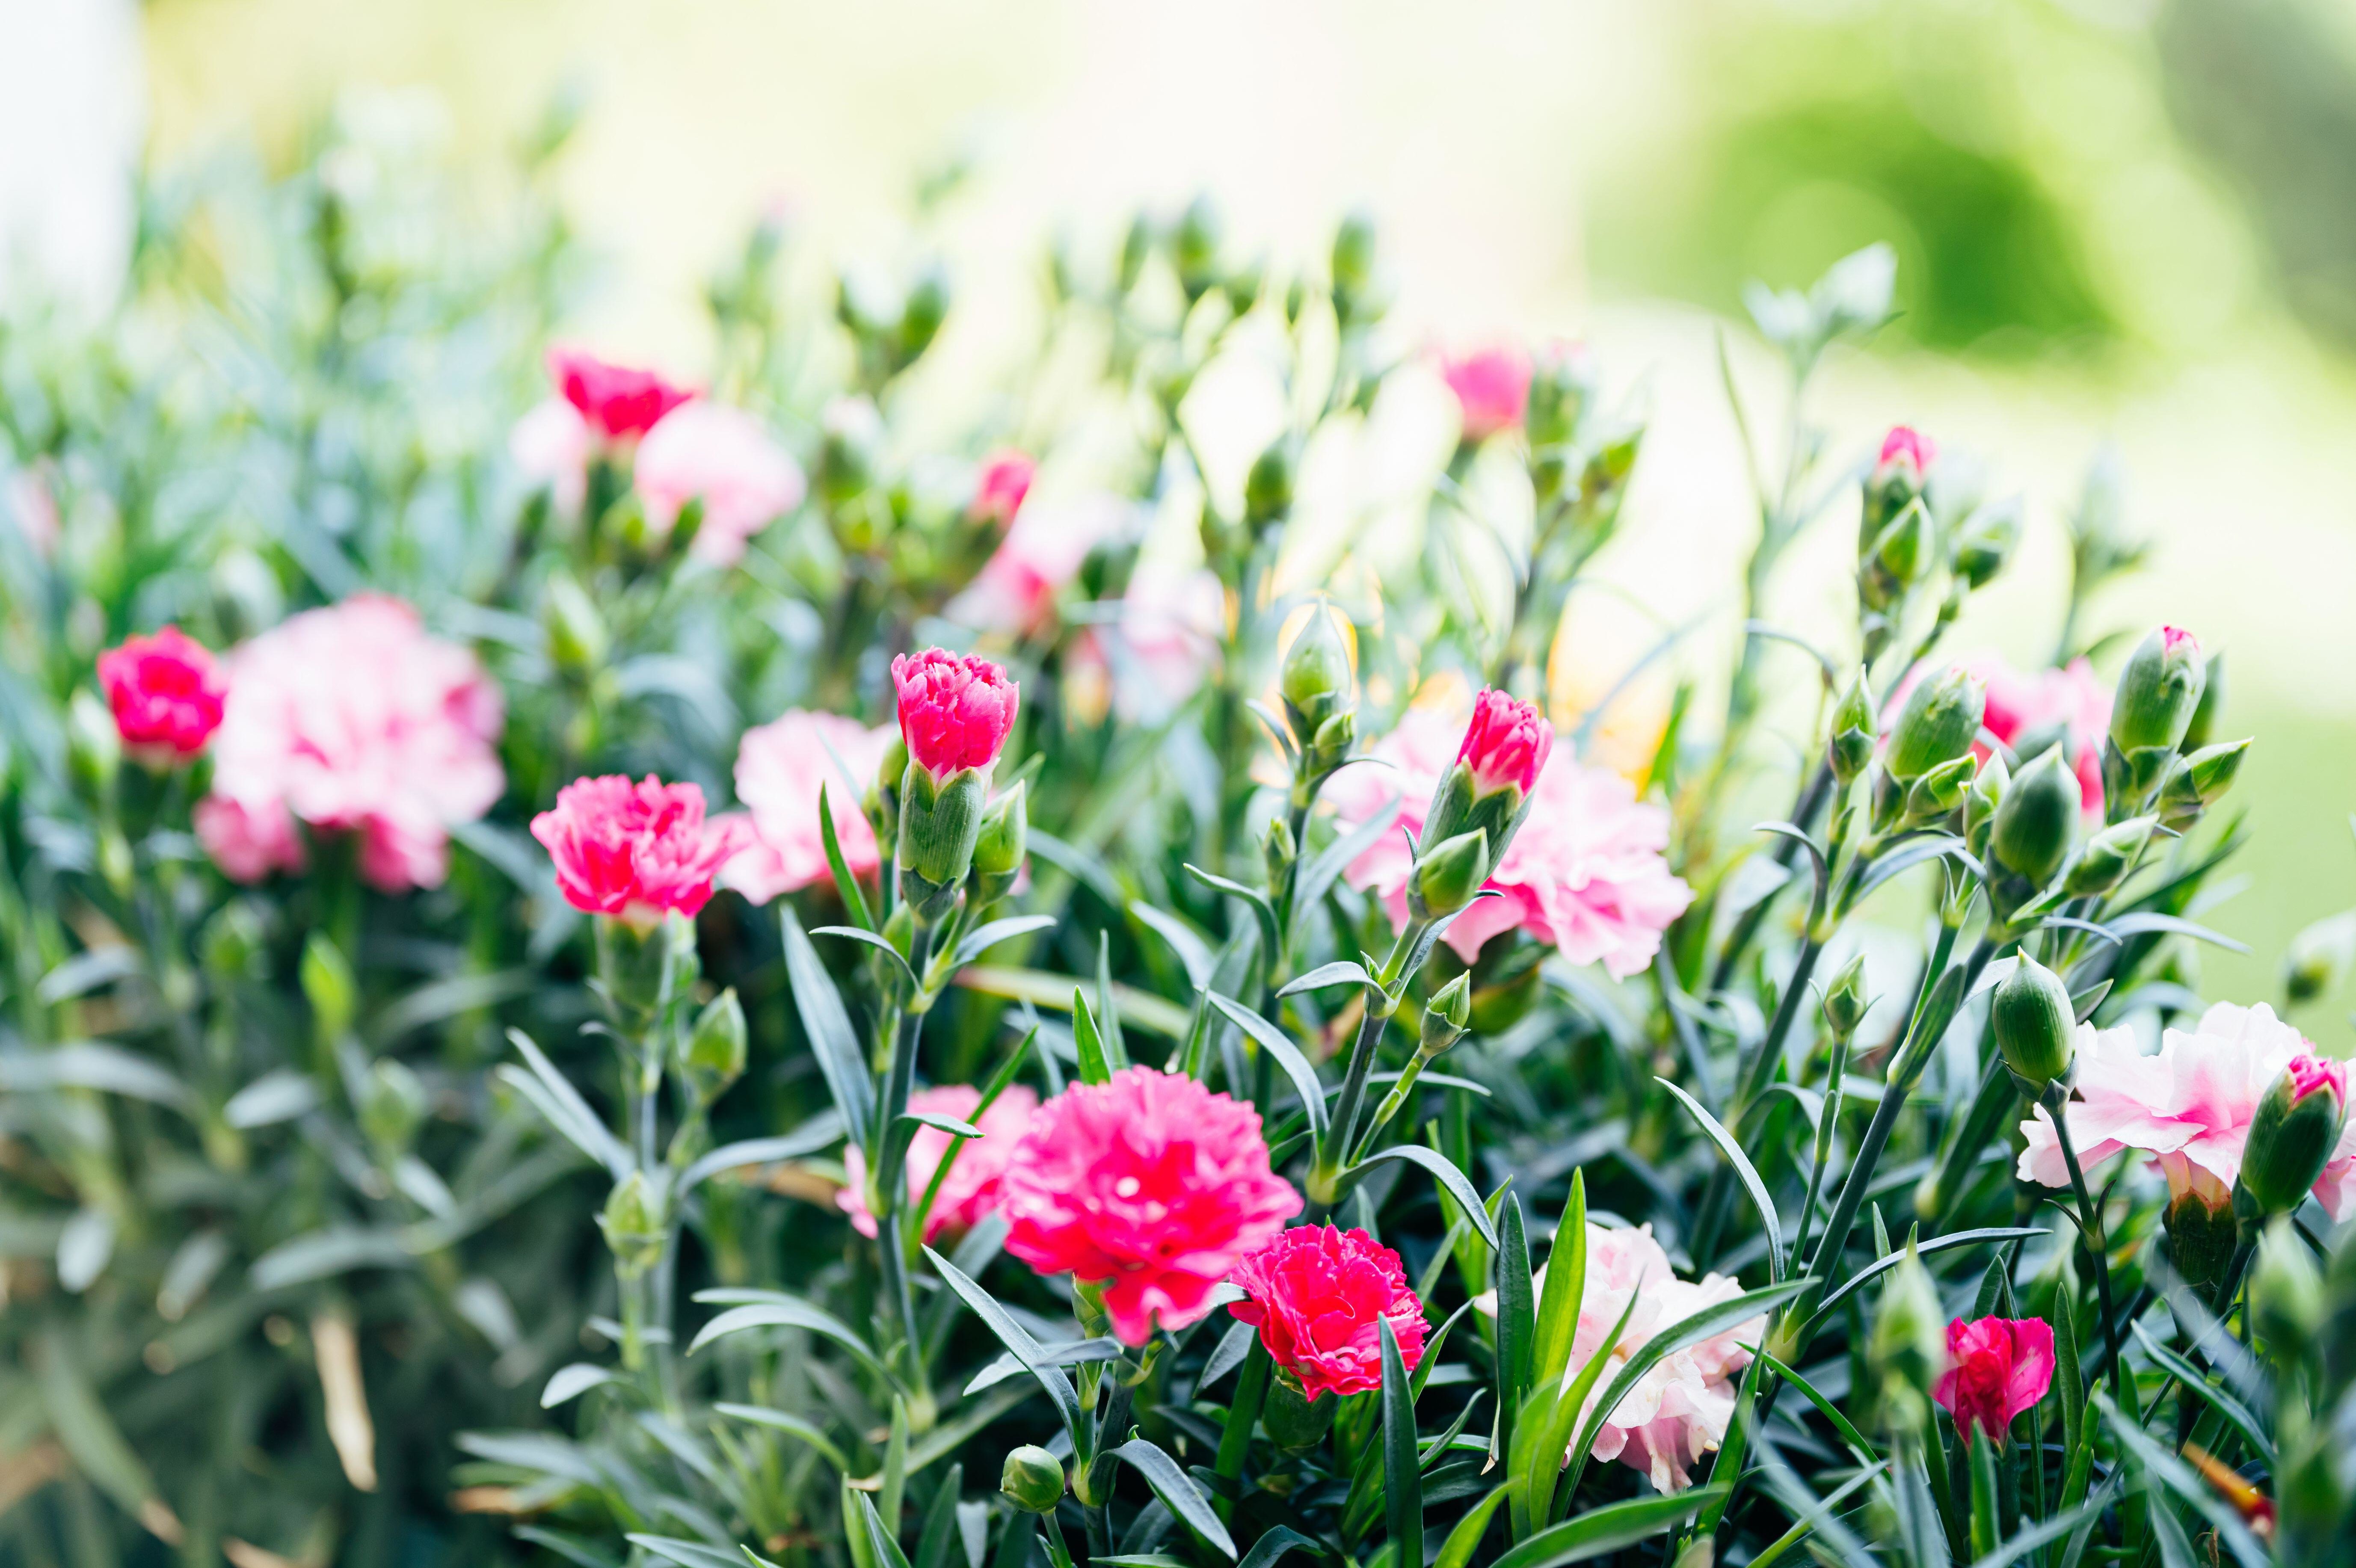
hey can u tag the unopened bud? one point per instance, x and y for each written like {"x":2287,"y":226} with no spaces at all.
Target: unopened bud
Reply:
{"x":2157,"y":693}
{"x":2036,"y":1027}
{"x":1561,"y":383}
{"x":2286,"y":1300}
{"x":1939,"y":792}
{"x":941,"y":822}
{"x":1317,"y":682}
{"x":1940,"y":722}
{"x":1331,"y":746}
{"x":1986,"y":543}
{"x":1277,"y":852}
{"x":1448,"y":873}
{"x":2296,"y":1126}
{"x":392,"y":1107}
{"x":1295,"y":1422}
{"x":1033,"y":1479}
{"x":577,"y":639}
{"x":2038,"y":818}
{"x":1446,"y":1016}
{"x":1901,"y":558}
{"x":712,"y":1057}
{"x":2319,"y":958}
{"x":1895,"y":484}
{"x":1990,"y":786}
{"x":93,"y":745}
{"x":1908,"y":1351}
{"x":1268,"y":488}
{"x":2200,"y":781}
{"x":1855,"y":731}
{"x":2212,"y":706}
{"x":328,"y":986}
{"x":2201,"y":1231}
{"x":633,"y":1223}
{"x":1846,"y":1002}
{"x":2108,"y":857}
{"x":1005,"y":840}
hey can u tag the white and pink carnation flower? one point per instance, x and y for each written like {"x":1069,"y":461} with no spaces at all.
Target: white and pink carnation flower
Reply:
{"x":2188,"y":1106}
{"x":1585,"y":874}
{"x":352,"y":718}
{"x":781,"y":767}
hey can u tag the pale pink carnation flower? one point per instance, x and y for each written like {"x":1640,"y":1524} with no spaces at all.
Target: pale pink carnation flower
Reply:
{"x":1676,"y":1414}
{"x":724,"y":458}
{"x":551,"y":446}
{"x":2188,"y":1105}
{"x":969,"y":1192}
{"x":1043,"y":552}
{"x":1585,"y":874}
{"x":1167,"y":641}
{"x":248,"y":842}
{"x":351,"y":718}
{"x":781,"y":767}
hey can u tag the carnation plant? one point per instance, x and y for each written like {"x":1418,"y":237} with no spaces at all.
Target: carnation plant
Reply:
{"x":614,"y":967}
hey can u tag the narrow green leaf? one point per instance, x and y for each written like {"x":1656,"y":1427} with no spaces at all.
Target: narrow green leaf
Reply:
{"x":1452,"y":1181}
{"x":2236,"y":1414}
{"x":775,"y":1309}
{"x":892,"y":1496}
{"x":2068,"y":1380}
{"x":1095,"y":1067}
{"x":1287,"y":1056}
{"x":792,"y":1425}
{"x":1556,"y":1325}
{"x":1516,"y":1314}
{"x":982,"y":938}
{"x":1017,"y":1338}
{"x":2181,"y":1478}
{"x":1263,"y":910}
{"x":1341,"y":971}
{"x":1760,"y":1198}
{"x":1195,"y":955}
{"x":1606,"y":1528}
{"x":827,"y":1025}
{"x":1109,"y":1005}
{"x":1456,"y":1552}
{"x":1402,"y":1476}
{"x":941,"y":1521}
{"x":879,"y":942}
{"x":880,"y":1543}
{"x":1841,"y":1423}
{"x":1891,"y":1259}
{"x":88,"y":1433}
{"x":846,"y":886}
{"x":1178,"y":1493}
{"x":1273,"y":1543}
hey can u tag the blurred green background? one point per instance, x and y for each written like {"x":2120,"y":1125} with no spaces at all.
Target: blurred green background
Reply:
{"x":2120,"y":222}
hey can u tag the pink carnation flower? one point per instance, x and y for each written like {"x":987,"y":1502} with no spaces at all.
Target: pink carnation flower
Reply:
{"x":1905,"y":446}
{"x":780,"y":769}
{"x":551,"y":446}
{"x":2188,"y":1106}
{"x":1505,"y":744}
{"x":722,"y":457}
{"x":637,"y":851}
{"x":997,"y":491}
{"x":1318,"y":1297}
{"x":1492,"y":388}
{"x":1676,"y":1414}
{"x":1586,"y":873}
{"x":954,"y":712}
{"x":620,"y":403}
{"x":352,"y":718}
{"x":166,"y":692}
{"x":1042,"y":552}
{"x":1151,"y":1185}
{"x":1167,"y":641}
{"x":970,"y":1189}
{"x":1996,"y":1368}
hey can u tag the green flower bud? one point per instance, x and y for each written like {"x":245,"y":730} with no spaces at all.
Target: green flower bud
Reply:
{"x":1331,"y":744}
{"x":1561,"y":383}
{"x":1446,"y":1016}
{"x":2296,"y":1126}
{"x":1268,"y":488}
{"x":328,"y":986}
{"x":1278,"y":851}
{"x":2036,"y":1027}
{"x":2319,"y":958}
{"x":392,"y":1107}
{"x":1846,"y":1002}
{"x":1990,"y":786}
{"x":1448,"y":874}
{"x":2157,"y":693}
{"x":1902,"y":557}
{"x":1986,"y":543}
{"x":2038,"y":818}
{"x":940,"y":822}
{"x":577,"y":640}
{"x":2108,"y":857}
{"x":2201,"y":1231}
{"x":2200,"y":781}
{"x":93,"y":746}
{"x":633,"y":1223}
{"x":1940,"y":792}
{"x":1033,"y":1479}
{"x":882,"y":801}
{"x":1005,"y":840}
{"x":712,"y":1057}
{"x":1939,"y":723}
{"x":232,"y":946}
{"x":1294,"y":1423}
{"x":928,"y":305}
{"x":1317,"y":682}
{"x":2212,"y":706}
{"x":1855,"y":731}
{"x":1907,"y":1350}
{"x":2286,"y":1300}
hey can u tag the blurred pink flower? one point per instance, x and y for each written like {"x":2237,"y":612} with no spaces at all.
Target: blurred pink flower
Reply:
{"x":1905,"y":446}
{"x":999,"y":489}
{"x":637,"y":851}
{"x":551,"y":447}
{"x":1318,"y":1297}
{"x":2075,"y":701}
{"x":2188,"y":1105}
{"x":724,"y":458}
{"x":248,"y":842}
{"x":352,"y":718}
{"x":1585,"y":873}
{"x":1151,"y":1186}
{"x":1167,"y":641}
{"x":954,"y":712}
{"x":34,"y":507}
{"x":1677,"y":1413}
{"x":1492,"y":388}
{"x":620,"y":403}
{"x":166,"y":692}
{"x":971,"y":1189}
{"x":1042,"y":552}
{"x":781,"y":768}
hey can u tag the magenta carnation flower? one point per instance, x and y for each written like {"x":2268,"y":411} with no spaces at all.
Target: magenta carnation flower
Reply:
{"x":721,"y":457}
{"x":1492,"y":388}
{"x":1149,"y":1184}
{"x":1908,"y":447}
{"x":620,"y":403}
{"x":997,"y":491}
{"x":954,"y":712}
{"x":1318,"y":1297}
{"x":634,"y":850}
{"x":781,"y":767}
{"x":166,"y":692}
{"x":1506,"y":743}
{"x":970,"y":1189}
{"x":1996,"y":1368}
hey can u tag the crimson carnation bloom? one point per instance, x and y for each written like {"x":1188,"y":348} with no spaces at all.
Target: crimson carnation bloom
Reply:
{"x":1492,"y":388}
{"x":1506,"y":743}
{"x":1996,"y":1368}
{"x":1148,"y":1182}
{"x":620,"y":403}
{"x":1004,"y":481}
{"x":1318,"y":1297}
{"x":166,"y":693}
{"x":635,"y":850}
{"x":954,"y":712}
{"x":1908,"y":445}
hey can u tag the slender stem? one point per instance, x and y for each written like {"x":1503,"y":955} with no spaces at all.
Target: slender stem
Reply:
{"x":2089,"y":1236}
{"x":1811,"y":800}
{"x":1327,"y":1168}
{"x":891,"y":1148}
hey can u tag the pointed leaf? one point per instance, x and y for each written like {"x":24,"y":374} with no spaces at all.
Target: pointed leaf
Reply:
{"x":1607,"y":1529}
{"x":1095,"y":1066}
{"x":820,"y":1132}
{"x":846,"y":886}
{"x":777,"y":1310}
{"x":1015,"y":1337}
{"x":878,"y":942}
{"x":982,"y":938}
{"x":1178,"y":1493}
{"x":1195,"y":955}
{"x":1276,"y":1043}
{"x":1402,"y":1476}
{"x":1342,"y":971}
{"x":840,"y":1059}
{"x":1760,"y":1198}
{"x":1454,"y":1181}
{"x":573,"y":1381}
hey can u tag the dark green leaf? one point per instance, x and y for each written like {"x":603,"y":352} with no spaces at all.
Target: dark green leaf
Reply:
{"x":846,"y":886}
{"x":840,"y":1059}
{"x":1760,"y":1199}
{"x":793,"y":1425}
{"x":1606,"y":1528}
{"x":1274,"y":1040}
{"x":1178,"y":1494}
{"x":1016,"y":1339}
{"x":1454,"y":1181}
{"x":1402,"y":1475}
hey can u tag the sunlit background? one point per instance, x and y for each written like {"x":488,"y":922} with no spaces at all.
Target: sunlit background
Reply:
{"x":2120,"y":222}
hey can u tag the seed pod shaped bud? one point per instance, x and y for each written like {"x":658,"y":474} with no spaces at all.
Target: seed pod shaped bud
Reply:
{"x":1448,"y":874}
{"x":1903,"y":557}
{"x":1986,"y":542}
{"x":1277,"y":852}
{"x":713,"y":1056}
{"x":1295,"y":1422}
{"x":2036,"y":1027}
{"x":1941,"y":791}
{"x":2201,"y":1230}
{"x":577,"y":639}
{"x":2319,"y":958}
{"x":2038,"y":818}
{"x":1331,"y":746}
{"x":2292,"y":1135}
{"x":392,"y":1107}
{"x":1907,"y":1350}
{"x":1940,"y":722}
{"x":1855,"y":734}
{"x":1005,"y":840}
{"x":1268,"y":488}
{"x":2286,"y":1301}
{"x":2211,"y":770}
{"x":2157,"y":692}
{"x":1033,"y":1479}
{"x":940,"y":822}
{"x":1896,"y":482}
{"x":928,"y":305}
{"x":1446,"y":1017}
{"x":2108,"y":857}
{"x":1317,"y":682}
{"x":1980,"y":806}
{"x":1846,"y":1003}
{"x":93,"y":746}
{"x":633,"y":1223}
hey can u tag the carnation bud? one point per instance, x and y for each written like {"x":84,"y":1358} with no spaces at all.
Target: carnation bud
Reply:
{"x":1939,"y":792}
{"x":2286,"y":1300}
{"x":713,"y":1056}
{"x":1278,"y":851}
{"x":1940,"y":722}
{"x":577,"y":639}
{"x":1294,"y":1422}
{"x":2108,"y":857}
{"x":2038,"y":818}
{"x":1561,"y":383}
{"x":1448,"y":874}
{"x":2200,"y":781}
{"x":93,"y":746}
{"x":392,"y":1107}
{"x":1446,"y":1016}
{"x":1268,"y":488}
{"x":2036,"y":1027}
{"x":1317,"y":682}
{"x":1895,"y":484}
{"x":2212,"y":706}
{"x":1846,"y":1002}
{"x":1986,"y":798}
{"x":940,"y":824}
{"x":2319,"y":958}
{"x":1855,"y":733}
{"x":2296,"y":1126}
{"x":2201,"y":1231}
{"x":1986,"y":543}
{"x":1505,"y":749}
{"x":633,"y":1223}
{"x":882,"y":801}
{"x":1331,"y":746}
{"x":1902,"y":557}
{"x":1005,"y":840}
{"x":1907,"y":1350}
{"x":2157,"y":693}
{"x":328,"y":986}
{"x":1033,"y":1479}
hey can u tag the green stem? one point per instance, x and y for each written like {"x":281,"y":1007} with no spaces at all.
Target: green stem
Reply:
{"x":2089,"y":1236}
{"x":1234,"y":1437}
